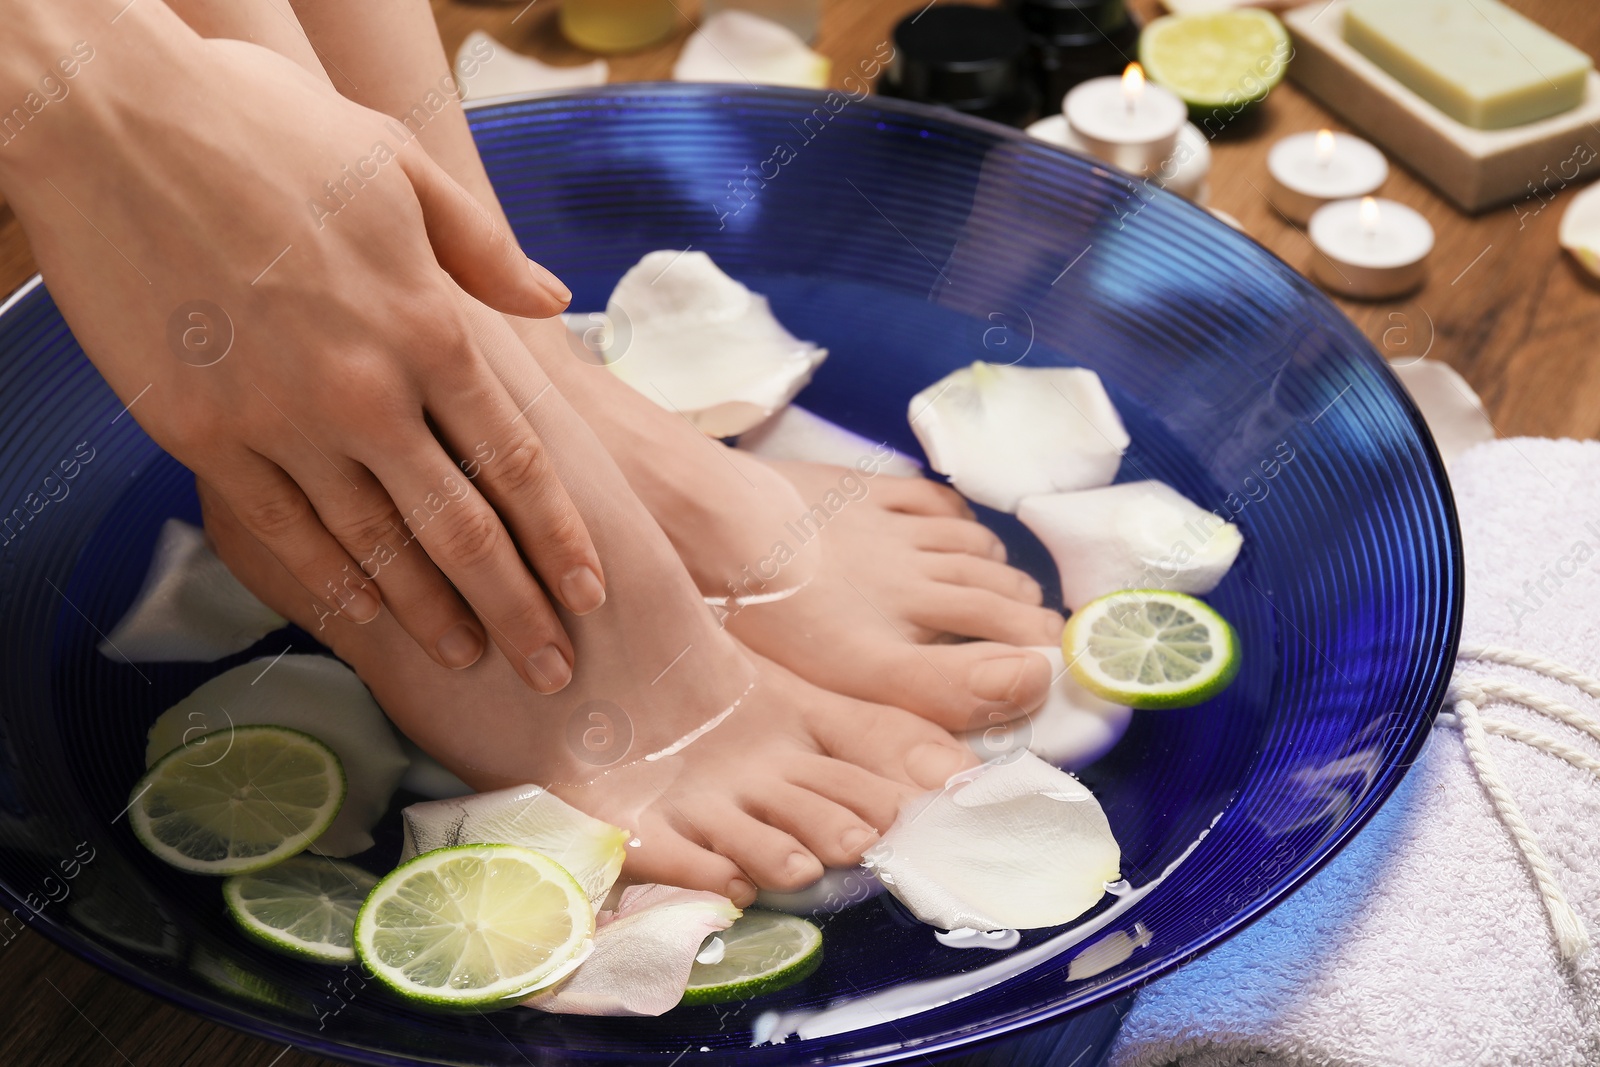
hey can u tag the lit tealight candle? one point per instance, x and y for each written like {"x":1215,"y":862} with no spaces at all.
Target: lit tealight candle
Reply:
{"x":1126,"y":121}
{"x":1183,"y":172}
{"x":1370,"y":249}
{"x":1312,"y":169}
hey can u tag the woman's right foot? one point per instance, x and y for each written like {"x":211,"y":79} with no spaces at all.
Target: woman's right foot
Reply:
{"x":856,"y":581}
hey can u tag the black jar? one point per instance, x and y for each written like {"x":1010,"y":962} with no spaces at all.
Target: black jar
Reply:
{"x":972,"y":59}
{"x":1072,"y":41}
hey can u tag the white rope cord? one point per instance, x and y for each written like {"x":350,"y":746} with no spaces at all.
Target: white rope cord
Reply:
{"x":1490,"y":689}
{"x":1544,"y":742}
{"x":1544,"y":665}
{"x":1572,"y":938}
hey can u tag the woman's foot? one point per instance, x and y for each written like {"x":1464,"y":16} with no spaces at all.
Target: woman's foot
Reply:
{"x":903,"y":567}
{"x":790,"y":778}
{"x":881,"y":571}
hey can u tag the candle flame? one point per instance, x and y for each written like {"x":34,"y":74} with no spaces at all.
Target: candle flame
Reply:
{"x":1324,"y":146}
{"x":1133,"y":83}
{"x":1368,"y":215}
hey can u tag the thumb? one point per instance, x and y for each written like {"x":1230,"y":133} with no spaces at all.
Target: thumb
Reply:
{"x":478,"y":250}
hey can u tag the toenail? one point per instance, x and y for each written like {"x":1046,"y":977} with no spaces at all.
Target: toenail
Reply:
{"x":800,"y":863}
{"x":997,"y":679}
{"x":460,"y":647}
{"x":856,"y":841}
{"x":739,"y":889}
{"x":581,"y":591}
{"x":550,"y":669}
{"x":930,"y":765}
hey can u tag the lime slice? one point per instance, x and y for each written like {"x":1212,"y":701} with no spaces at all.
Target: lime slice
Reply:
{"x":1150,"y":648}
{"x":266,"y":797}
{"x":763,"y":951}
{"x":1218,"y":63}
{"x":474,"y":926}
{"x":305,"y":906}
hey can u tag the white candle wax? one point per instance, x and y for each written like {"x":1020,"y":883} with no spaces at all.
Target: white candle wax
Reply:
{"x":1312,"y":169}
{"x":1125,"y":121}
{"x":1370,"y":249}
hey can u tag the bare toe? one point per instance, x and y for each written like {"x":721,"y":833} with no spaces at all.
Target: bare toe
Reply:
{"x":773,"y":858}
{"x":666,"y":856}
{"x":833,"y":832}
{"x":951,"y":535}
{"x":891,"y":742}
{"x":968,"y":612}
{"x":919,"y":496}
{"x":959,"y":568}
{"x":875,"y":800}
{"x":961,"y":687}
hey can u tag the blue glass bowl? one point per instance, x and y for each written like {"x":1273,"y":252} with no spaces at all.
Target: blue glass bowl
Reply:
{"x":909,"y":242}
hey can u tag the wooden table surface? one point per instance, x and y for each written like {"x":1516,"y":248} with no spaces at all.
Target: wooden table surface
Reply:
{"x":1503,"y":305}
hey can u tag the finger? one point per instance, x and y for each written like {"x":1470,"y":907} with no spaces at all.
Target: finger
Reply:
{"x":467,"y":541}
{"x":477,"y":249}
{"x":365,"y":522}
{"x":274,"y":510}
{"x":513,"y":469}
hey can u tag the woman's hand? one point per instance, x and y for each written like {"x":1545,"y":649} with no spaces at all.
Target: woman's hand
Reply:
{"x":272,"y":277}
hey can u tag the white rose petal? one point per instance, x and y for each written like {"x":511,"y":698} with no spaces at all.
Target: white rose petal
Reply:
{"x":1138,"y":535}
{"x":1452,"y":410}
{"x":698,"y":342}
{"x":1014,"y":845}
{"x":190,"y":607}
{"x":643,"y":953}
{"x":485,"y":67}
{"x":736,"y":46}
{"x":1003,"y":433}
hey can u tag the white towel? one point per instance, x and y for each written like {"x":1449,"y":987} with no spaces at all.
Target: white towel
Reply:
{"x":1426,"y":943}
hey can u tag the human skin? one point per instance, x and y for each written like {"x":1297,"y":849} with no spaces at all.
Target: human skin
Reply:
{"x":889,"y":579}
{"x":792,"y":779}
{"x":329,"y":384}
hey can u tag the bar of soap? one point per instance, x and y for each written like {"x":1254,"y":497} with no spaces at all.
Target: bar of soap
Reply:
{"x":1478,"y":61}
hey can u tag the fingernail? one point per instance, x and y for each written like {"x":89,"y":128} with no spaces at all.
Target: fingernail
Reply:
{"x":930,"y":765}
{"x":998,"y":552}
{"x":854,"y":842}
{"x":740,"y":890}
{"x":996,"y":679}
{"x":549,"y":283}
{"x":581,"y":591}
{"x":362,"y":607}
{"x":460,"y":647}
{"x":550,"y":669}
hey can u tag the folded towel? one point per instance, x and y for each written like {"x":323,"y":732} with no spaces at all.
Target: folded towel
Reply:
{"x":1434,"y":939}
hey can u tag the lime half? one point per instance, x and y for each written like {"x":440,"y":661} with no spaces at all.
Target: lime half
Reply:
{"x":1218,"y":63}
{"x":1149,"y":648}
{"x":269,"y":794}
{"x":761,"y":952}
{"x":305,"y":906}
{"x":474,"y":926}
